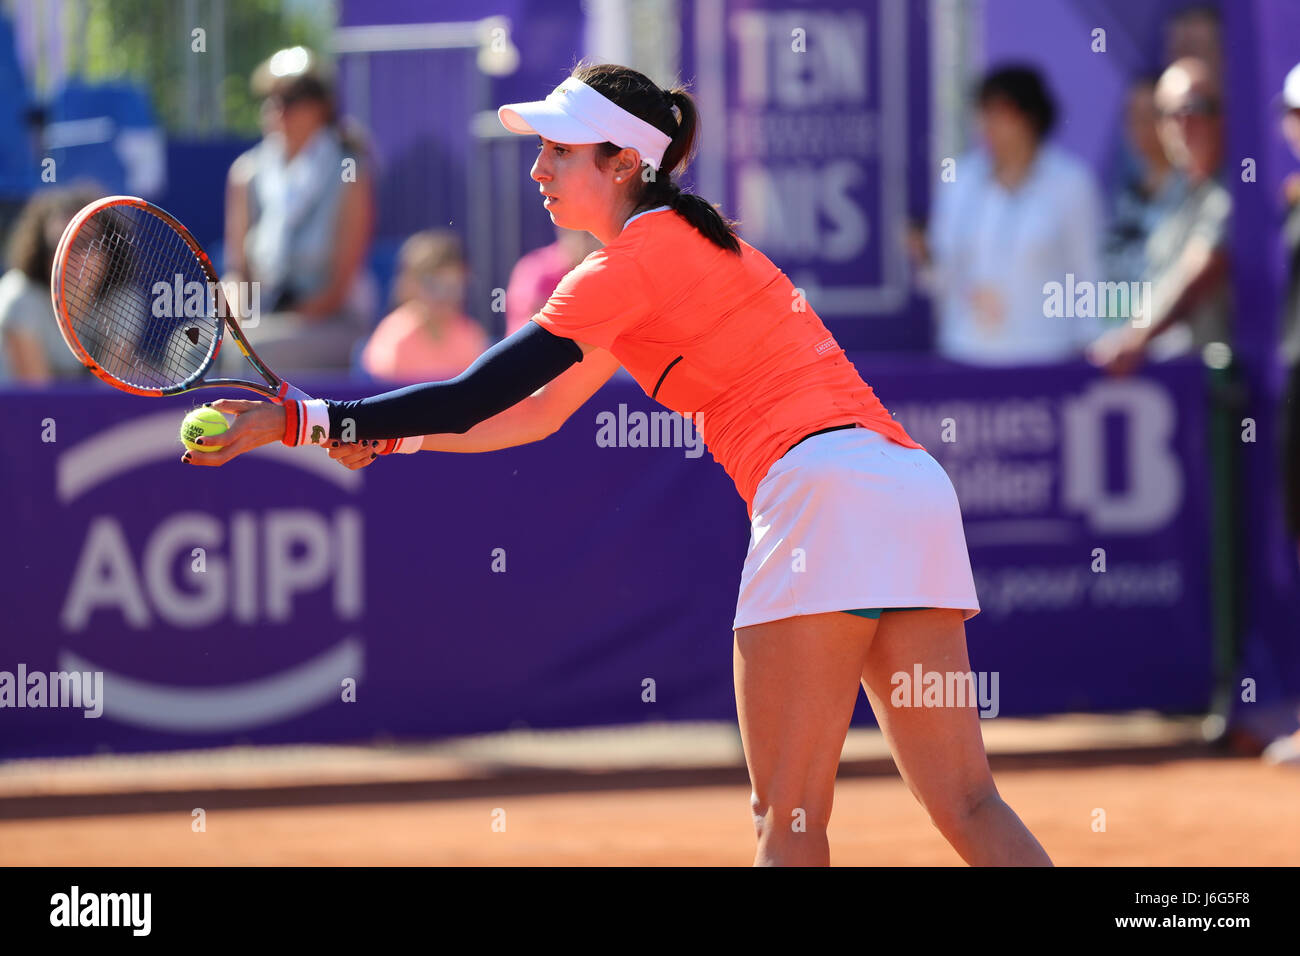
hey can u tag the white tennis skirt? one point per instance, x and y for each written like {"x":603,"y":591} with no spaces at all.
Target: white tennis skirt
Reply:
{"x":849,"y":519}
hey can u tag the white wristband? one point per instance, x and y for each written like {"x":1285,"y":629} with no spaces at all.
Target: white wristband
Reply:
{"x":409,"y":445}
{"x":317,"y":415}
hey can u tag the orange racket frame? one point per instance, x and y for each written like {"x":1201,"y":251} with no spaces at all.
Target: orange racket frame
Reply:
{"x":275,"y":388}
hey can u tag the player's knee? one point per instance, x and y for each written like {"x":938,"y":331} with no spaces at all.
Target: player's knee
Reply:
{"x":955,"y":812}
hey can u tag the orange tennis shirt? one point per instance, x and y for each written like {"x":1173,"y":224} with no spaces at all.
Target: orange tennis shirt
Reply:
{"x":716,"y":337}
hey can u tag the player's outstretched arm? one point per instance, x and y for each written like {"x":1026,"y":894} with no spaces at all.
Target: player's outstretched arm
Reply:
{"x":503,"y":376}
{"x":536,"y":417}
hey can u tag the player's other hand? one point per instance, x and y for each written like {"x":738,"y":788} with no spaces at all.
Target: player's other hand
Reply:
{"x":256,"y":424}
{"x":354,"y":455}
{"x":1119,"y":351}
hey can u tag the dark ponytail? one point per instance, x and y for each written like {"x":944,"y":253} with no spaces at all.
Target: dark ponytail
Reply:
{"x":641,"y":97}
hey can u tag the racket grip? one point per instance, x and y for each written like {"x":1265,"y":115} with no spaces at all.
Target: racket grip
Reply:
{"x":290,"y":391}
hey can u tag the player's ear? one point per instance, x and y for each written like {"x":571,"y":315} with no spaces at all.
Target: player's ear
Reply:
{"x":629,"y":161}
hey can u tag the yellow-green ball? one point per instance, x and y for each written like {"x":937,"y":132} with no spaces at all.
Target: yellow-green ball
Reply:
{"x":202,"y":423}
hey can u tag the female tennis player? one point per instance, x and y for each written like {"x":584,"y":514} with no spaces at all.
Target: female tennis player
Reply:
{"x":707,"y":325}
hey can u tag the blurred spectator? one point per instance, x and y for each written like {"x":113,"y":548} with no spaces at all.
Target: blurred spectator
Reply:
{"x":537,"y":273}
{"x":1187,"y":260}
{"x":1196,"y":32}
{"x":1016,"y":216}
{"x":31,"y":348}
{"x":1149,"y":189}
{"x":428,"y":337}
{"x":299,"y":215}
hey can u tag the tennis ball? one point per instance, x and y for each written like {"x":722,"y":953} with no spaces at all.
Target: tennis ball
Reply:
{"x":202,"y":423}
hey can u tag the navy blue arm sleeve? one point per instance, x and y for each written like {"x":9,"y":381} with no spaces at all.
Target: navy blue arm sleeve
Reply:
{"x":502,"y":376}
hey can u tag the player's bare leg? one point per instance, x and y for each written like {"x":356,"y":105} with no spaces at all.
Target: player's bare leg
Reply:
{"x":940,"y":750}
{"x":796,"y":683}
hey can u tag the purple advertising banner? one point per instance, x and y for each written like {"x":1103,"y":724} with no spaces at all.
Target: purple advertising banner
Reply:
{"x":283,"y":598}
{"x":1086,"y":509}
{"x":814,"y":136}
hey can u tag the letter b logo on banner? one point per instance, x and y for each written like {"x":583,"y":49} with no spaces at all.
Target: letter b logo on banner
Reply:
{"x":1153,"y":489}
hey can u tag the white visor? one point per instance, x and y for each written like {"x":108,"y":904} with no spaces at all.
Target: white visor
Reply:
{"x":576,"y":114}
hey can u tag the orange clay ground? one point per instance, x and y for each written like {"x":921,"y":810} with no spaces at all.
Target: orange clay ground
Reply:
{"x":1166,"y":802}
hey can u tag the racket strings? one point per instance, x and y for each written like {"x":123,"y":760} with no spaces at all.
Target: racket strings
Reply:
{"x":137,"y":251}
{"x":110,"y":304}
{"x":138,"y":300}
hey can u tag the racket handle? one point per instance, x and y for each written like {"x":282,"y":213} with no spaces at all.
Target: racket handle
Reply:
{"x":292,"y":400}
{"x":290,"y":391}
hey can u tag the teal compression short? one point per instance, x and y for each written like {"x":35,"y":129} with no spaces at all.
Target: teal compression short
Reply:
{"x":874,"y":612}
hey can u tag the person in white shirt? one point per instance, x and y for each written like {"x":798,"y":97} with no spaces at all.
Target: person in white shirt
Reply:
{"x":1011,"y":222}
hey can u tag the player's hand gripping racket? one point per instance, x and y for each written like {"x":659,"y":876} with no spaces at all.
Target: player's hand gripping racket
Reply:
{"x":141,"y":306}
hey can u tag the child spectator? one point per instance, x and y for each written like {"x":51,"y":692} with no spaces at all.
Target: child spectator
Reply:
{"x":427,"y":337}
{"x":537,"y":273}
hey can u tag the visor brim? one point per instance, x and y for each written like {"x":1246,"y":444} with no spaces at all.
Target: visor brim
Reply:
{"x":548,"y":121}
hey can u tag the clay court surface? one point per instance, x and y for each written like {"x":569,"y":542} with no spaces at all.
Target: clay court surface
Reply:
{"x":1167,"y":804}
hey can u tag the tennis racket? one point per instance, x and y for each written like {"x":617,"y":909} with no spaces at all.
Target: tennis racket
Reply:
{"x":140,"y":305}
